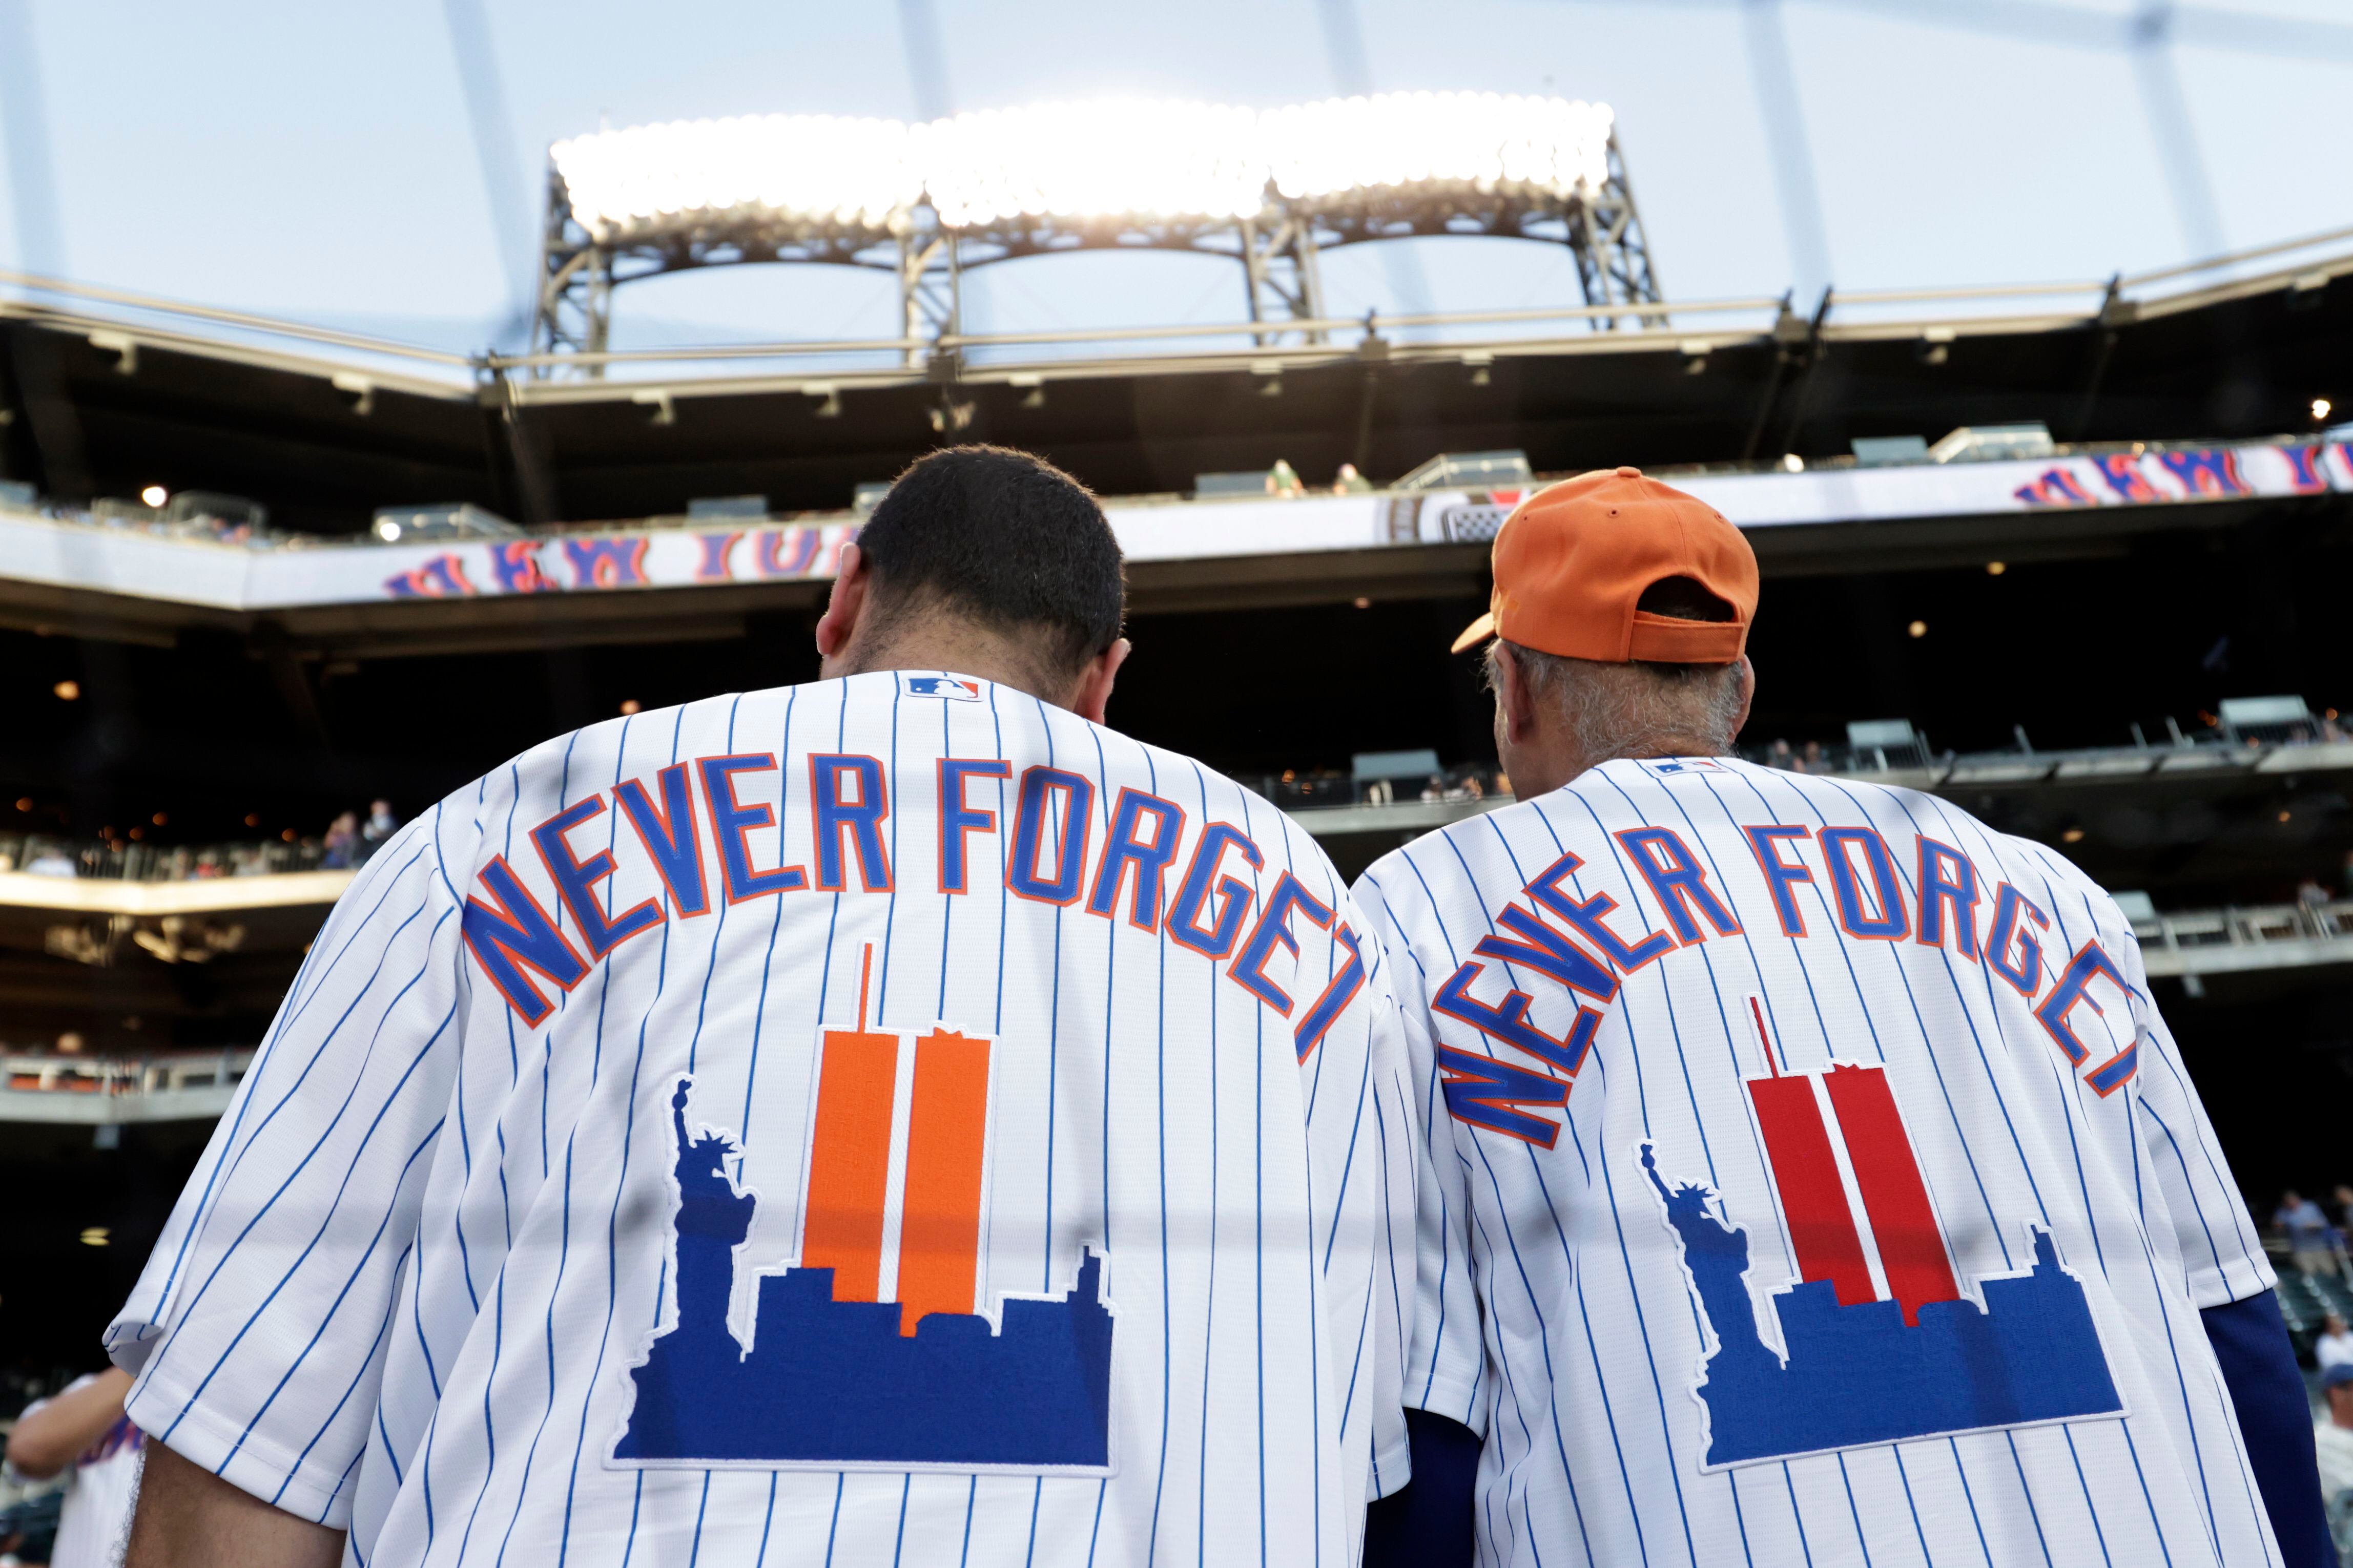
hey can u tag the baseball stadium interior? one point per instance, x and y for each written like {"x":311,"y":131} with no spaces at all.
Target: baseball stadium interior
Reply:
{"x":2073,"y":555}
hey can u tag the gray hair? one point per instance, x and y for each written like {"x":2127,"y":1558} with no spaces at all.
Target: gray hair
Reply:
{"x":1632,"y":710}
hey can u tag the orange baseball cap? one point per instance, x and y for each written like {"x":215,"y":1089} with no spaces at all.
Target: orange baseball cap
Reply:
{"x":1572,"y":561}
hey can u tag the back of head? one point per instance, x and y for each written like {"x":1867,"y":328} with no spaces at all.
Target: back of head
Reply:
{"x":1630,"y":708}
{"x":1005,"y":542}
{"x":1624,"y":605}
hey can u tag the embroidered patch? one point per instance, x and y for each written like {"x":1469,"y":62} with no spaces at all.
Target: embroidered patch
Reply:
{"x":874,"y":1349}
{"x":1879,"y":1340}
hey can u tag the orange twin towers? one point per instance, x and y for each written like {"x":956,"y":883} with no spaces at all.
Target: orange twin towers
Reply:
{"x":905,"y":1118}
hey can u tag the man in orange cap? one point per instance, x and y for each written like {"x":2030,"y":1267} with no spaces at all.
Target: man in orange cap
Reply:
{"x":1619,"y":619}
{"x":1812,"y":1175}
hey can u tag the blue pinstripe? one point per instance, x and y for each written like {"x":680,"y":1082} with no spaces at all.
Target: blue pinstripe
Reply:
{"x":718,"y":933}
{"x":231,"y":1163}
{"x":254,"y":1316}
{"x":367,"y":1363}
{"x":612,"y":1236}
{"x":1210,"y":1317}
{"x":222,"y":1163}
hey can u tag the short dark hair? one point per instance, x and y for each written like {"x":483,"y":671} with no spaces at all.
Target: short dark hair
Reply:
{"x":1007,"y":540}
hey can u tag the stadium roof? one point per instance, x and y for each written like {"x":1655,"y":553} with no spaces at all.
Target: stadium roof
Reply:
{"x":106,"y":402}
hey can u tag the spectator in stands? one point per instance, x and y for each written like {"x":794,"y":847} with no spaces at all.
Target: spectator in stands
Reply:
{"x":1779,"y":755}
{"x":380,"y":825}
{"x":2310,"y":893}
{"x":2343,"y":1199}
{"x":51,"y":861}
{"x":1812,"y":762}
{"x":2334,"y":1439}
{"x":70,"y":1044}
{"x":2335,"y":1345}
{"x":1283,"y":480}
{"x":1349,"y":482}
{"x":343,"y":842}
{"x":84,"y":1427}
{"x":1435,"y":789}
{"x":2311,"y":1240}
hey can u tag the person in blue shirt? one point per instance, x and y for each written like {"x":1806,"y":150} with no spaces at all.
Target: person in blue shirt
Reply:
{"x":2310,"y":1238}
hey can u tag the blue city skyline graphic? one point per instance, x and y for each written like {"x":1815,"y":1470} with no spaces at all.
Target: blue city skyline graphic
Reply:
{"x":1856,"y":1376}
{"x":831,"y":1383}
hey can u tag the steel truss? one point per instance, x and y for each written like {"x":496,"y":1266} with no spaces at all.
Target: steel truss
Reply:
{"x":1279,"y":250}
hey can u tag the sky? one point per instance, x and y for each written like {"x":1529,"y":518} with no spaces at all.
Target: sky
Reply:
{"x":319,"y":162}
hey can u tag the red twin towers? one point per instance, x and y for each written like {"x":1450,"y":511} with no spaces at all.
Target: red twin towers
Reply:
{"x":1857,"y":1208}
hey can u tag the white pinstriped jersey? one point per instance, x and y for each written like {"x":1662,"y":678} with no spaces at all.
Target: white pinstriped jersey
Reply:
{"x":885,"y":1121}
{"x":1814,"y":1181}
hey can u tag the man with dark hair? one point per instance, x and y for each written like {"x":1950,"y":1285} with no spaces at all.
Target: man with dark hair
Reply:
{"x":894,"y":1119}
{"x":1012,"y":547}
{"x":1813,"y":1177}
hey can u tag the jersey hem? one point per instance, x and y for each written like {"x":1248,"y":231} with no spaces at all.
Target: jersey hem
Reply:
{"x":1392,"y":1470}
{"x":1455,"y":1402}
{"x":246,"y":1459}
{"x":2213,"y":1287}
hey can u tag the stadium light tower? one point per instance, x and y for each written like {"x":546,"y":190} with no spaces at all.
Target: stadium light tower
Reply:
{"x":1271,"y":190}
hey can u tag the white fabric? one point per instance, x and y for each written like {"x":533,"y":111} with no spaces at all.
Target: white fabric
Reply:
{"x":407,"y":1289}
{"x":96,"y":1515}
{"x":2335,"y":1444}
{"x":2333,"y":1447}
{"x":1560,"y":1313}
{"x":2329,"y":1350}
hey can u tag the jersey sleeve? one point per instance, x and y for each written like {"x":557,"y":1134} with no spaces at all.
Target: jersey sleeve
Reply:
{"x":1445,"y":1353}
{"x":258,"y":1328}
{"x":1361,"y":1140}
{"x":2221,"y":1252}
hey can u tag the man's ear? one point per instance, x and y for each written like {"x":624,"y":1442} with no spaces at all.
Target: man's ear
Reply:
{"x":1515,"y":700}
{"x":838,"y":627}
{"x":1747,"y":698}
{"x":1091,"y":694}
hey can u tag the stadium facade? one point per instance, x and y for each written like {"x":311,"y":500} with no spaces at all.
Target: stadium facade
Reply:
{"x":2042,"y":552}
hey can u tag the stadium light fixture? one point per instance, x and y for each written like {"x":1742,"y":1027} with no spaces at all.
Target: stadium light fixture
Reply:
{"x":1106,"y":158}
{"x":154,"y":495}
{"x":1481,"y":142}
{"x":823,"y":169}
{"x":2321,"y":407}
{"x":1141,"y":159}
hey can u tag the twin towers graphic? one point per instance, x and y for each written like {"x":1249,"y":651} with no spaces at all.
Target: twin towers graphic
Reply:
{"x":1880,"y":1344}
{"x":871,"y":1350}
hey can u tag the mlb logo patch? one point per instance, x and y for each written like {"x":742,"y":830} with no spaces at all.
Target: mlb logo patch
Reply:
{"x":1685,"y":765}
{"x":955,"y":688}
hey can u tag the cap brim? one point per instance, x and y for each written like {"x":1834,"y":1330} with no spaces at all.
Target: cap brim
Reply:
{"x":1474,"y":634}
